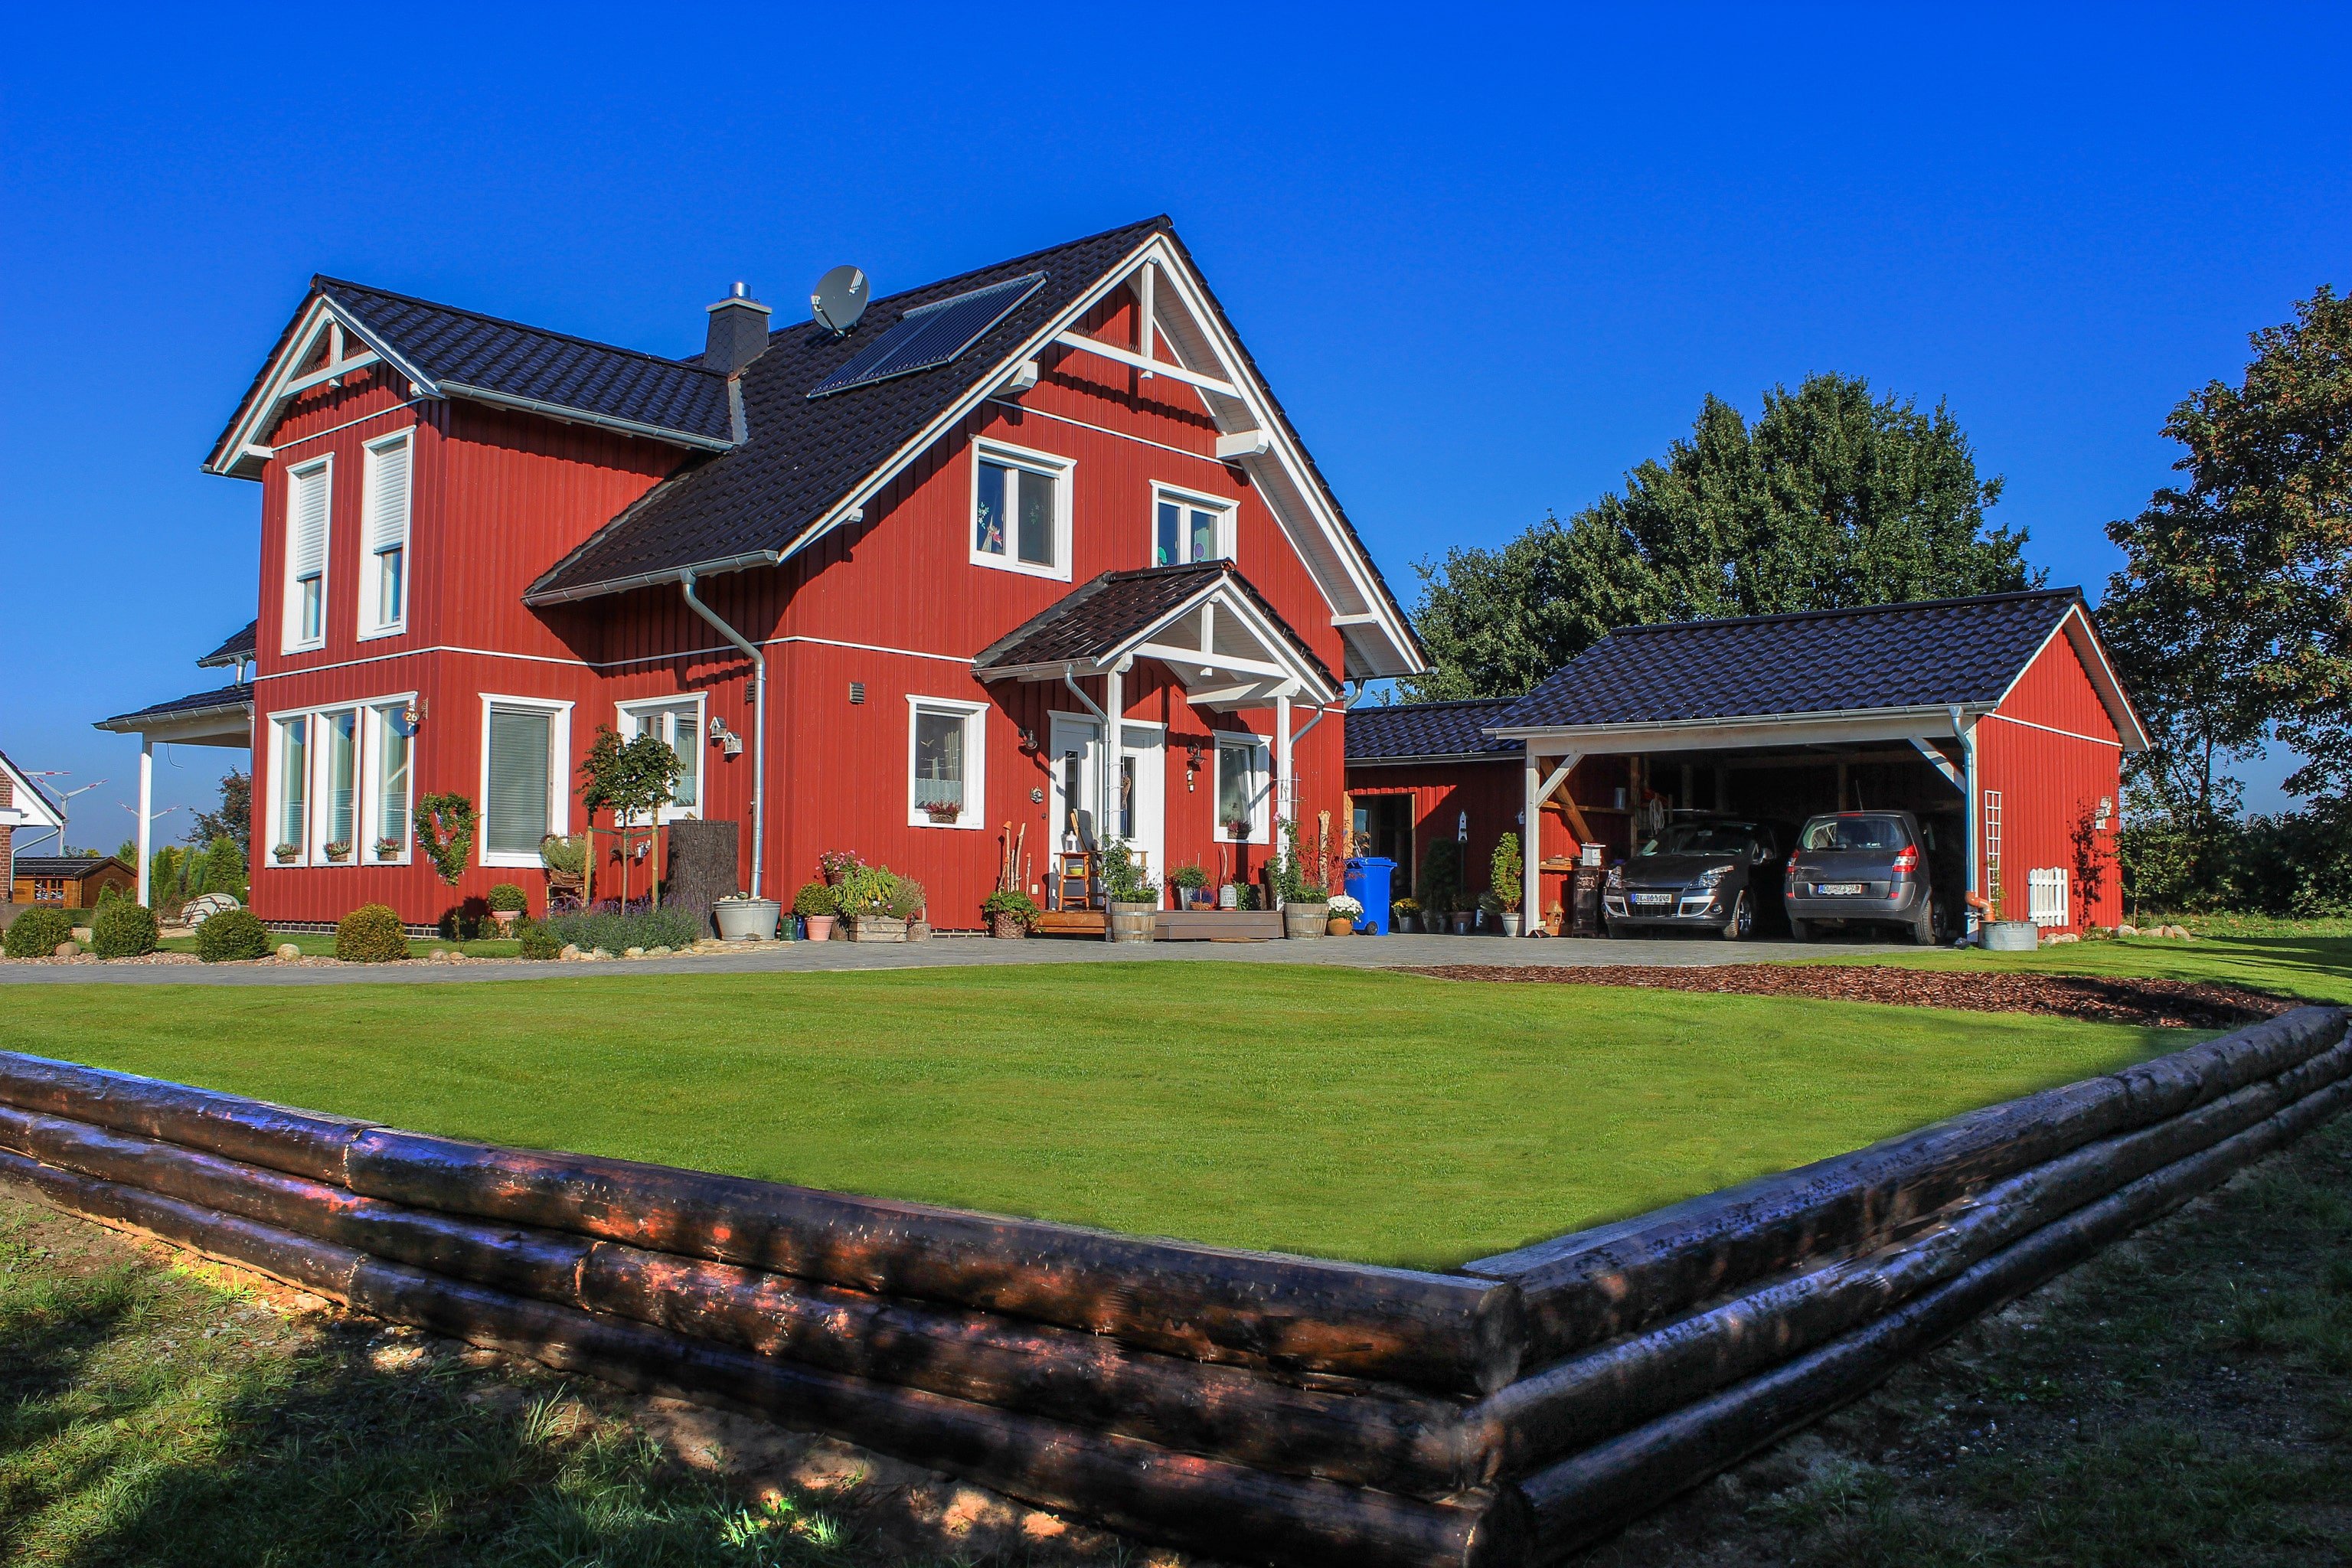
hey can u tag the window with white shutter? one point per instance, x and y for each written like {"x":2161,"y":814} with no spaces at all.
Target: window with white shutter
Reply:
{"x":383,"y":569}
{"x":307,"y":493}
{"x":526,"y":748}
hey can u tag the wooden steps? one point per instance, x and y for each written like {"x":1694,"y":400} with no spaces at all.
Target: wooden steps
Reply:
{"x":1172,"y":925}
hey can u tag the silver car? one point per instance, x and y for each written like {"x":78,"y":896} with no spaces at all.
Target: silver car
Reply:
{"x":1862,"y":866}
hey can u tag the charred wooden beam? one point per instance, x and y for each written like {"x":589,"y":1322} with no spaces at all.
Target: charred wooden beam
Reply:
{"x":301,"y":1143}
{"x":1589,"y":1286}
{"x":1596,"y":1491}
{"x":1437,"y":1332}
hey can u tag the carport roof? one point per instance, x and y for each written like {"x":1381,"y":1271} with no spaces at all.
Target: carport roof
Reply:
{"x":1934,"y":654}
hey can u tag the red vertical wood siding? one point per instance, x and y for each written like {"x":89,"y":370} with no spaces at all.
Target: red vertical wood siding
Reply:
{"x":1492,"y":793}
{"x":2053,"y":753}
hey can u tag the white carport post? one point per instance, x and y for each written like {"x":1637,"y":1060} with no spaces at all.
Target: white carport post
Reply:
{"x":146,"y":809}
{"x":1531,"y":846}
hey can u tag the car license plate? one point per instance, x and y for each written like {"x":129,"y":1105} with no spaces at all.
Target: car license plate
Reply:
{"x":1829,"y":889}
{"x":1653,"y":900}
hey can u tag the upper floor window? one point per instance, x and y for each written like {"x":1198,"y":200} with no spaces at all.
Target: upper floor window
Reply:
{"x":678,"y":724}
{"x":384,"y":571}
{"x":1020,"y":510}
{"x":1187,"y":528}
{"x":308,"y":490}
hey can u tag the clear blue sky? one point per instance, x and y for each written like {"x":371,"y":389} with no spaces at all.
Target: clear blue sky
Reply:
{"x":1488,"y":261}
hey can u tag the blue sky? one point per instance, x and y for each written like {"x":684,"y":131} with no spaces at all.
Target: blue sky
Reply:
{"x":1488,"y":260}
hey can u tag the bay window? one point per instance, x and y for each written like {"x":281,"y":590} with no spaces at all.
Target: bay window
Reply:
{"x":340,"y":784}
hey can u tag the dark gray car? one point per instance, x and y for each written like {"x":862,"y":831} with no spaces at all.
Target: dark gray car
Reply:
{"x":1710,"y":873}
{"x":1862,"y":867}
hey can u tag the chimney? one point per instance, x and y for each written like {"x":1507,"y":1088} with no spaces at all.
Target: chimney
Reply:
{"x":739,"y":332}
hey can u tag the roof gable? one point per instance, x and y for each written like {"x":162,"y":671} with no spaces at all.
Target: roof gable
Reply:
{"x":31,"y":804}
{"x":237,"y":649}
{"x":1963,"y":653}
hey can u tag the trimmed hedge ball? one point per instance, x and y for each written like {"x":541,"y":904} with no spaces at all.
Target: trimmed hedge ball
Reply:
{"x":371,"y":934}
{"x":122,"y":929}
{"x":36,"y":933}
{"x":230,"y":936}
{"x":539,"y":943}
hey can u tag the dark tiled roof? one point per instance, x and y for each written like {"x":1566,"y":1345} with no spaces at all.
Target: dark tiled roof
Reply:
{"x":222,"y":698}
{"x":73,"y":867}
{"x":464,"y":349}
{"x":237,"y":649}
{"x":804,"y":455}
{"x":1401,"y":729}
{"x":1097,"y":617}
{"x":1945,"y":651}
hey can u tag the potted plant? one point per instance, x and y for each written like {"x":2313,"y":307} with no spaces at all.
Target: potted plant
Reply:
{"x":1404,"y":916}
{"x":1133,"y":898}
{"x":633,"y":780}
{"x":285,"y":853}
{"x":506,"y":905}
{"x":817,"y":905}
{"x":1011,"y":913}
{"x":1490,"y":911}
{"x":1238,"y":829}
{"x":942,"y":812}
{"x":1306,"y":905}
{"x":1458,"y":919}
{"x":1345,"y":912}
{"x":566,"y":860}
{"x":1508,"y":870}
{"x":910,"y":903}
{"x":1191,"y":884}
{"x":867,"y":895}
{"x":339,"y":850}
{"x":387,"y":849}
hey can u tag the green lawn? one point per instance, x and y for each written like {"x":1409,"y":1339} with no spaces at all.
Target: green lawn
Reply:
{"x":2294,"y":962}
{"x":1382,"y":1117}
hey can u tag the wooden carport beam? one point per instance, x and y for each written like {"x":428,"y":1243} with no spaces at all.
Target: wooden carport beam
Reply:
{"x":1940,"y":763}
{"x":1540,"y":786}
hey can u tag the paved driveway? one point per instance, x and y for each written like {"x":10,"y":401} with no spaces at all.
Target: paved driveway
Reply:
{"x":955,"y":951}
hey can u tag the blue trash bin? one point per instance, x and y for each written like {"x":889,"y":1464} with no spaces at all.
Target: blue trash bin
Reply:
{"x":1368,"y":884}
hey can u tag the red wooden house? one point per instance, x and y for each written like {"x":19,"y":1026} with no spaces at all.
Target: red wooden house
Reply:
{"x":883,"y":590}
{"x":1999,"y":719}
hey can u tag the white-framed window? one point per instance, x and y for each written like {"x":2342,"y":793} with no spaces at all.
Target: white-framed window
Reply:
{"x":383,"y":533}
{"x":1020,"y":509}
{"x":309,"y":494}
{"x":289,"y":787}
{"x":675,"y":722}
{"x":1243,"y":791}
{"x":946,"y":758}
{"x":335,"y":785}
{"x":526,"y":769}
{"x":1186,"y":527}
{"x":391,"y":738}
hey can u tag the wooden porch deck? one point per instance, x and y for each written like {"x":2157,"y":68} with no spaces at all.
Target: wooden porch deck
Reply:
{"x":1172,"y":925}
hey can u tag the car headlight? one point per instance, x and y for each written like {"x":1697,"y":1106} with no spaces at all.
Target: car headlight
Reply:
{"x":1714,"y":874}
{"x":1615,"y":880}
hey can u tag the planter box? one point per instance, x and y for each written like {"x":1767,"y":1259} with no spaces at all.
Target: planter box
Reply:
{"x":2011,"y":936}
{"x":1302,"y":923}
{"x":874,"y":927}
{"x":746,"y":919}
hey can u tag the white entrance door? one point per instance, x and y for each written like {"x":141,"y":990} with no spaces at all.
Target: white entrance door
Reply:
{"x":1143,"y":783}
{"x":1076,"y":746}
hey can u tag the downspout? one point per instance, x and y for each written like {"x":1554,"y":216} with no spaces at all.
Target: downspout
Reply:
{"x":1069,"y":680}
{"x":759,"y":721}
{"x":1966,"y":735}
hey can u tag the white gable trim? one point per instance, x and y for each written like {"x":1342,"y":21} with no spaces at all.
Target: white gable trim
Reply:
{"x":31,"y":808}
{"x":244,"y":450}
{"x":2093,"y":653}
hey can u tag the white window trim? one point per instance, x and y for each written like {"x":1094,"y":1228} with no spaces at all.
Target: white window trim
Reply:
{"x":371,"y":590}
{"x":975,"y":817}
{"x":1262,"y":808}
{"x":559,"y":776}
{"x":371,"y":725}
{"x":277,"y":797}
{"x":1064,"y":472}
{"x":316,"y":851}
{"x":1226,"y":510}
{"x":365,"y":743}
{"x":290,"y":615}
{"x":626,"y":713}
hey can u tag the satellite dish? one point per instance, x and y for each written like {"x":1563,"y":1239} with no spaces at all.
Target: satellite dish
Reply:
{"x":839,"y":300}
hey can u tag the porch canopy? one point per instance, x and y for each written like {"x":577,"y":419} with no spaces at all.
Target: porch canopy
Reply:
{"x":221,"y":716}
{"x":1829,"y":681}
{"x":1215,"y":634}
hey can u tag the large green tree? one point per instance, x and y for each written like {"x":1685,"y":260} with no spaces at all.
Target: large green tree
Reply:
{"x":1830,"y":497}
{"x":2232,"y":615}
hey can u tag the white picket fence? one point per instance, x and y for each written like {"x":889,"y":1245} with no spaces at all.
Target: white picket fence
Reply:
{"x":2045,"y":889}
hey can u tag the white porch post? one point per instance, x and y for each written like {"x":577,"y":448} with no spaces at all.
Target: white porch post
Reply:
{"x":1285,"y":788}
{"x":146,"y":810}
{"x":1531,"y":847}
{"x":1106,"y":821}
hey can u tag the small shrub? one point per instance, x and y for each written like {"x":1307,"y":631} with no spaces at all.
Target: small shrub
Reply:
{"x":815,"y":899}
{"x":1011,"y":901}
{"x":865,"y":890}
{"x":232,"y":935}
{"x":617,"y":931}
{"x":506,"y":897}
{"x":1507,"y":869}
{"x":568,"y":855}
{"x":122,"y":929}
{"x":371,"y":934}
{"x":1189,"y":876}
{"x":539,"y":941}
{"x":36,"y":933}
{"x":907,"y":899}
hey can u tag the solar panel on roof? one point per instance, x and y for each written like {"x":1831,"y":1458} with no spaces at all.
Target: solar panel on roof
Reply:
{"x":931,"y":334}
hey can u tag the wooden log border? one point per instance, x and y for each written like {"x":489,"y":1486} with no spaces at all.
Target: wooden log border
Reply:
{"x":1259,"y":1406}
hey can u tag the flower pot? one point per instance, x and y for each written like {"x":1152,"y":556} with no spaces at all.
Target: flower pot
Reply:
{"x":1008,"y":926}
{"x":746,"y":919}
{"x":820,"y":927}
{"x":1303,"y":922}
{"x":1510,"y":922}
{"x":1133,"y":922}
{"x":2011,"y":936}
{"x":1339,"y":925}
{"x":505,"y":918}
{"x":1403,"y":925}
{"x":944,"y":818}
{"x":1462,"y":922}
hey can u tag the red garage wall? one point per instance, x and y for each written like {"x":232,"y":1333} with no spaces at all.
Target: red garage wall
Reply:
{"x":1491,"y":792}
{"x":2051,"y":754}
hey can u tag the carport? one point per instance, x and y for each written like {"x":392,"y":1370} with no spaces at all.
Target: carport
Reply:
{"x":1999,"y":714}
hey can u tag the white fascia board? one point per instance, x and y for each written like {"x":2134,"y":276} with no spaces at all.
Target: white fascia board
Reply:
{"x":244,"y":446}
{"x":1745,"y":731}
{"x":2093,"y":653}
{"x":32,"y":805}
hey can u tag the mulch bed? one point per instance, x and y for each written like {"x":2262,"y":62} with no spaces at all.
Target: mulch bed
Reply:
{"x":2155,"y":1004}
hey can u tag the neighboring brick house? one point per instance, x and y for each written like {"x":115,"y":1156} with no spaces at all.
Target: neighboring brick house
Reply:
{"x":1030,"y":551}
{"x":25,"y":813}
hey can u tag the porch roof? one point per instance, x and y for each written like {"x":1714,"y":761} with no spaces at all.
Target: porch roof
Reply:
{"x":222,"y":717}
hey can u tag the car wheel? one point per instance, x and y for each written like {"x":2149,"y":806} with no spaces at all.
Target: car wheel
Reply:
{"x":1803,"y":930}
{"x":1743,"y":918}
{"x":1923,"y":924}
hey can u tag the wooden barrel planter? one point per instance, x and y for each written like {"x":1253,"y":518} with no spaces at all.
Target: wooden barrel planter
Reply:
{"x":1303,"y":921}
{"x":1133,"y":922}
{"x":1248,"y":1405}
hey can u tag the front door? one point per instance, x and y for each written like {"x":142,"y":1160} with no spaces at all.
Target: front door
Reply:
{"x":1076,"y":746}
{"x":1143,"y":780}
